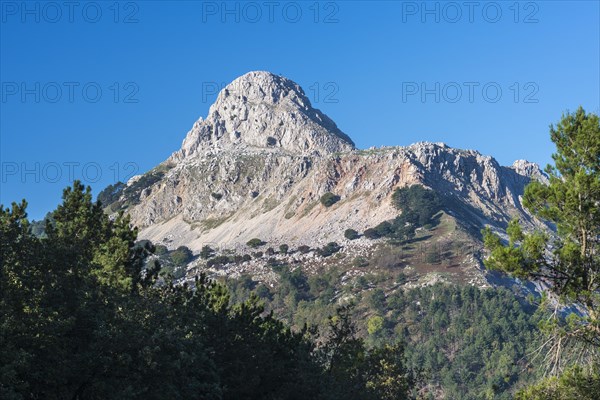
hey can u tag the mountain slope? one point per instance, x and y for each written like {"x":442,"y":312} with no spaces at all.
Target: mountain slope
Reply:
{"x":257,"y":166}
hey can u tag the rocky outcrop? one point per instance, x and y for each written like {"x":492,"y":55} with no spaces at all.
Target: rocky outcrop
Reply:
{"x":262,"y":110}
{"x":259,"y":163}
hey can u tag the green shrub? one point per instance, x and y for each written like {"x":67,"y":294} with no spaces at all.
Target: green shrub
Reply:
{"x":257,"y":254}
{"x":329,"y":199}
{"x":247,"y":282}
{"x":263,"y":292}
{"x":181,"y":256}
{"x":271,"y":141}
{"x":272,"y":262}
{"x":304,"y":249}
{"x":376,"y":299}
{"x":218,"y":261}
{"x":255,"y":243}
{"x":372,"y":234}
{"x":169,"y":272}
{"x":360,"y":262}
{"x":418,"y":204}
{"x":152,"y":265}
{"x":402,"y":278}
{"x":206,"y":252}
{"x":283,"y":249}
{"x":351,"y":234}
{"x":216,"y":196}
{"x":362,"y":282}
{"x":160,"y":250}
{"x":145,"y":246}
{"x":375,"y":325}
{"x":384,"y":229}
{"x":432,"y":256}
{"x":329,"y":249}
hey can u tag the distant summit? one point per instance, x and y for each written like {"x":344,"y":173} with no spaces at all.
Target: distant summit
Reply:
{"x":263,"y":110}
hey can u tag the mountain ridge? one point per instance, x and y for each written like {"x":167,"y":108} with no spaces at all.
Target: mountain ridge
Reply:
{"x":228,"y":183}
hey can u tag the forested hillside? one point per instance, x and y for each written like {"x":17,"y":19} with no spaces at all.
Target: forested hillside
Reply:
{"x":89,"y":312}
{"x":81,"y":319}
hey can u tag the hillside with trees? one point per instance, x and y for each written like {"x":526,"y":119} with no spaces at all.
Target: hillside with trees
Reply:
{"x":88,"y":311}
{"x":83,"y":318}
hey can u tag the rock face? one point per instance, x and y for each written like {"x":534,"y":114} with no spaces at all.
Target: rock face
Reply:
{"x":259,"y":163}
{"x":262,"y":110}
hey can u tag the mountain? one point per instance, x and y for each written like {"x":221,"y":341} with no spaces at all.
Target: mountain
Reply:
{"x":258,"y":110}
{"x":259,"y":163}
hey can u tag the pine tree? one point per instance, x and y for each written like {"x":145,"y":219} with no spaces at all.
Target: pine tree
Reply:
{"x":569,"y":262}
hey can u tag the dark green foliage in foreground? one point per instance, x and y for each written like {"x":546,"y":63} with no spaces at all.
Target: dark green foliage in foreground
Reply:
{"x":38,"y":228}
{"x":571,"y":202}
{"x":329,"y":199}
{"x":419,"y":207}
{"x":352,"y":368}
{"x":574,"y":383}
{"x":79,"y":320}
{"x":172,"y":264}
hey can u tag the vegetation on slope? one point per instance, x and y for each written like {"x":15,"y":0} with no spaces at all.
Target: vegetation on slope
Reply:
{"x":570,"y":262}
{"x":418,"y":207}
{"x":81,"y":318}
{"x":88,"y":313}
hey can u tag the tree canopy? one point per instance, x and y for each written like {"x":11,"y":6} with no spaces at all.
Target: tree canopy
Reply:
{"x":418,"y":206}
{"x":82,"y":317}
{"x":568,"y":261}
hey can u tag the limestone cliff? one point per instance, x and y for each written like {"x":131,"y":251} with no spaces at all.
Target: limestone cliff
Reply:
{"x":260,"y":161}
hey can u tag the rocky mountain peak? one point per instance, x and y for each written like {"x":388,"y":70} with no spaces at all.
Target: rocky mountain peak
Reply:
{"x":260,"y":87}
{"x":259,"y":164}
{"x":265,"y":111}
{"x":530,"y":170}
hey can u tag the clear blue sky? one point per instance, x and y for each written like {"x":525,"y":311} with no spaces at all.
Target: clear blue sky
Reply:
{"x":362,"y":63}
